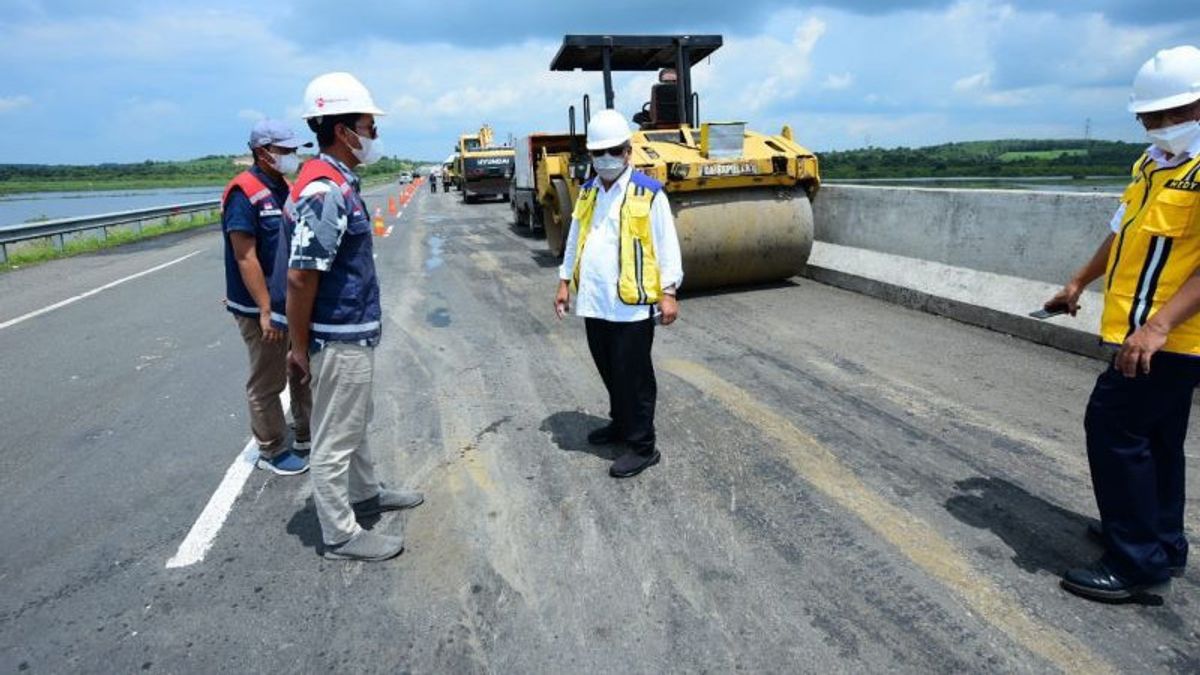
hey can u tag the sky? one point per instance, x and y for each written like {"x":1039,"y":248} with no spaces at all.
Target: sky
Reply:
{"x":84,"y":82}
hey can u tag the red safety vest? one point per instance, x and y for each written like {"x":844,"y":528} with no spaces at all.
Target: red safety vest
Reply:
{"x":251,"y":185}
{"x":315,"y":169}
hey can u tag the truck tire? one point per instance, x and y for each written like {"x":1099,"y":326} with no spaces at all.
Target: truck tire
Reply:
{"x":518,"y":214}
{"x":556,"y":217}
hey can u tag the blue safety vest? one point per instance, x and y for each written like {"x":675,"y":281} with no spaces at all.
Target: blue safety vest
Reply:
{"x":347,"y":303}
{"x":265,"y":222}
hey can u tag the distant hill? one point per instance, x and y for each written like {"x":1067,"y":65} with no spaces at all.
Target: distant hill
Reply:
{"x":1009,"y":158}
{"x":211,"y":170}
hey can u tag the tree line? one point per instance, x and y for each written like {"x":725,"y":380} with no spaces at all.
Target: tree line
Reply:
{"x":210,"y":170}
{"x":1008,"y":158}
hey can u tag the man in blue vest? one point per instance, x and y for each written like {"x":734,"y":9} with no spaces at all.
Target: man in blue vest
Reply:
{"x":335,"y":320}
{"x":622,"y":257}
{"x":251,"y":219}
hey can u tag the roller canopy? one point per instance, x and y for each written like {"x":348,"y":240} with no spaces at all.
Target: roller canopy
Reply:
{"x":630,"y":52}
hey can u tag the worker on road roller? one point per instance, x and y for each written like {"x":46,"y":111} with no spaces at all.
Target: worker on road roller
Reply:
{"x":622,"y":257}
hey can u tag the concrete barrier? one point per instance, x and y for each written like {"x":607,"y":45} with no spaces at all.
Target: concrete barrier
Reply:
{"x":1020,"y":233}
{"x":985,"y":257}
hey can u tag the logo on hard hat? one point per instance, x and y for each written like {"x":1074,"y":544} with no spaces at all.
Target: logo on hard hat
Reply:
{"x":321,"y":101}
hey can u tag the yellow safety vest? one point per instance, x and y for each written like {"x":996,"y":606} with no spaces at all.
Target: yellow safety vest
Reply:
{"x":1156,"y":250}
{"x":638,"y":282}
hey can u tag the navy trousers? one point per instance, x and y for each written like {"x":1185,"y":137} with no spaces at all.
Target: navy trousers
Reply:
{"x":621,"y":352}
{"x":1136,"y":428}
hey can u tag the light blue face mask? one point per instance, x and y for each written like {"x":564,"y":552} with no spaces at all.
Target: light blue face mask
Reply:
{"x":286,"y":164}
{"x":609,"y":168}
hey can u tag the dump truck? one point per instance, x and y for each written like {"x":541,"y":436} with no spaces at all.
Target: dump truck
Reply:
{"x":542,"y":161}
{"x":741,"y":199}
{"x":483,"y":169}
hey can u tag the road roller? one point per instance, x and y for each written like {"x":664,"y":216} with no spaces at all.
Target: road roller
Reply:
{"x":741,"y":199}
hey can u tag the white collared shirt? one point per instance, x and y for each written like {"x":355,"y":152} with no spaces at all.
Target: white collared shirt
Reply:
{"x":1159,"y":157}
{"x":600,"y":268}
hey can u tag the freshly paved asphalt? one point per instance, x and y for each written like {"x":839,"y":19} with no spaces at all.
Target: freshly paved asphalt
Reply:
{"x":847,"y":486}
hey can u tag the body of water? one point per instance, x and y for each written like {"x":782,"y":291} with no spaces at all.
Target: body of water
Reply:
{"x":24,"y":207}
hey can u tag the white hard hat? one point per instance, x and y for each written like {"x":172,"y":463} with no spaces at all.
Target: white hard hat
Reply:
{"x":607,"y":129}
{"x":1169,"y":80}
{"x":337,"y":94}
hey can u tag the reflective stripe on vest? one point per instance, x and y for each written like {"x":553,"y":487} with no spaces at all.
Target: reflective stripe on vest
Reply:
{"x":638,"y":282}
{"x":1156,"y":250}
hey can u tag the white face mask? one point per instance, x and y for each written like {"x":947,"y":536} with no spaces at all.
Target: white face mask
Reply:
{"x":371,"y":150}
{"x":609,"y":168}
{"x":1176,"y":138}
{"x":286,"y":164}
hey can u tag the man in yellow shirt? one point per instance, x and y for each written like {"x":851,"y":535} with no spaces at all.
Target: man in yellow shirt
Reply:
{"x":1137,"y":417}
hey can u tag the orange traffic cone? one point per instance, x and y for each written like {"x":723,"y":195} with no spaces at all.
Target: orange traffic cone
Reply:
{"x":392,"y":205}
{"x":380,"y":228}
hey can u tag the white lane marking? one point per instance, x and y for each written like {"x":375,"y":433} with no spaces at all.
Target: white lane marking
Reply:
{"x":98,"y":289}
{"x":204,"y":531}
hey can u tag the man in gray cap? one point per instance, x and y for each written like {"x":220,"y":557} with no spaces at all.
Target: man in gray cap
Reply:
{"x":256,"y":280}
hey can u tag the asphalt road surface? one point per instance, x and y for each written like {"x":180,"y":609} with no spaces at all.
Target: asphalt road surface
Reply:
{"x":846,"y":486}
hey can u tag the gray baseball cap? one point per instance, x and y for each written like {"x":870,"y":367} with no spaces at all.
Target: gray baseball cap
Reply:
{"x":274,"y":132}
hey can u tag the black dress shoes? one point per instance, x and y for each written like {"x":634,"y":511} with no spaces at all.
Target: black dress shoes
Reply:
{"x":632,"y":463}
{"x":1100,"y":583}
{"x":605,"y":435}
{"x":1096,"y":534}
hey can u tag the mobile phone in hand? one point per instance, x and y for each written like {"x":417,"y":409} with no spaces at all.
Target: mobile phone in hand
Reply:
{"x":1047,"y":312}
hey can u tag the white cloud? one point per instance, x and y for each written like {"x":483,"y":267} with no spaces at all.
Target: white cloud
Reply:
{"x":971,"y":83}
{"x":783,"y":66}
{"x":8,"y":103}
{"x":945,"y":70}
{"x":838,"y":82}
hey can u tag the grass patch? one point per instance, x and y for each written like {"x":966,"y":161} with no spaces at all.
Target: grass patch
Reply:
{"x":43,"y":252}
{"x":1041,"y":155}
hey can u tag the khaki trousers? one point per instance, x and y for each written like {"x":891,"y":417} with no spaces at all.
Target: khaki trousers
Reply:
{"x":342,"y":469}
{"x":268,"y":376}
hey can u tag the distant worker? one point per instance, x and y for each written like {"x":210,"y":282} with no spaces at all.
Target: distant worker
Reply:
{"x":255,"y":279}
{"x":335,"y":320}
{"x":433,"y":181}
{"x":1137,"y":416}
{"x":622,"y":257}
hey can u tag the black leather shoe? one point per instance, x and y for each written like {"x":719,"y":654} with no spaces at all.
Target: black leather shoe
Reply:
{"x":1100,"y":583}
{"x":632,"y":463}
{"x":605,"y":435}
{"x":1096,"y":534}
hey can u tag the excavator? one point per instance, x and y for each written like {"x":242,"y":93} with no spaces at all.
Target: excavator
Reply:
{"x":741,"y":199}
{"x":481,"y":168}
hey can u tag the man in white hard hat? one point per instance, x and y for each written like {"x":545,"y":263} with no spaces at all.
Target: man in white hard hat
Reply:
{"x":334,"y":318}
{"x":1137,"y":416}
{"x":622,"y":257}
{"x":255,"y":284}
